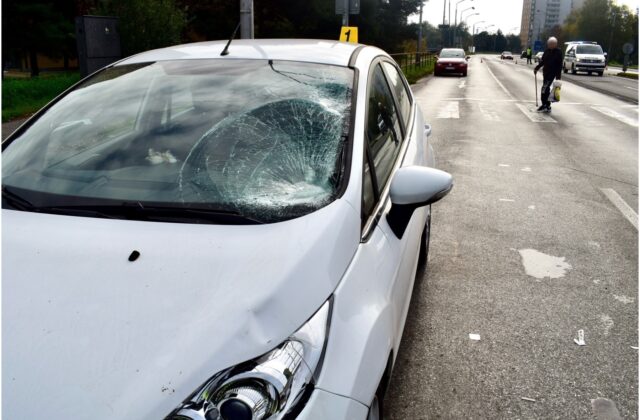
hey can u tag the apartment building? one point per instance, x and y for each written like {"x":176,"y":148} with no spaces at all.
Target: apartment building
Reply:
{"x":541,"y":15}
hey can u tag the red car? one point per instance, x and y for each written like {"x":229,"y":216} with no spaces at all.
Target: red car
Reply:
{"x":451,"y":60}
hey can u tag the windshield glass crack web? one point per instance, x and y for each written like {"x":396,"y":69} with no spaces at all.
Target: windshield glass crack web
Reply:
{"x":276,"y":160}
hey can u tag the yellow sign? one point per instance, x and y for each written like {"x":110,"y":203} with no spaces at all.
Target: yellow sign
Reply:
{"x":349,"y":34}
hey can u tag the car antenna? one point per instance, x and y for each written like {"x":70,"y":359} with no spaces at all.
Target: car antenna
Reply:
{"x":233,"y":35}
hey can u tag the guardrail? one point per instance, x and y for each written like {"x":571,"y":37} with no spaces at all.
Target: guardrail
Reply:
{"x":413,"y":61}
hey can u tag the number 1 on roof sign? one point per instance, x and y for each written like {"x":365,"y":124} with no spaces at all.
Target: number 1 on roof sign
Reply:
{"x":349,"y":34}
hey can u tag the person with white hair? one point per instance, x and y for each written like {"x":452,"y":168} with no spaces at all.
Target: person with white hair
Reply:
{"x":551,"y":64}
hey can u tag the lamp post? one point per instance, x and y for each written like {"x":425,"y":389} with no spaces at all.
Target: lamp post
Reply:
{"x":473,"y":34}
{"x":464,"y":22}
{"x":455,"y":28}
{"x":474,"y":26}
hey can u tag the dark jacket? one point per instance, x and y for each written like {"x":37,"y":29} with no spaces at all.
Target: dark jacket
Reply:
{"x":552,"y":64}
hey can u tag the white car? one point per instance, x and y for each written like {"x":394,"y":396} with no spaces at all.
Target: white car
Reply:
{"x":584,"y":56}
{"x":190,"y":235}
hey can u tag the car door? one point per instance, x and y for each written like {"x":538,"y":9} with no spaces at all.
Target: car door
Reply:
{"x":393,"y":139}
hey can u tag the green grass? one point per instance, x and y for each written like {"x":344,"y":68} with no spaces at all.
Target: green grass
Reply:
{"x":628,"y":75}
{"x":413,"y":75}
{"x":24,"y":96}
{"x":617,"y":64}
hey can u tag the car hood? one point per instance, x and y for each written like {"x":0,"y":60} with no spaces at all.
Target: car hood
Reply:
{"x":452,"y":60}
{"x":88,"y":334}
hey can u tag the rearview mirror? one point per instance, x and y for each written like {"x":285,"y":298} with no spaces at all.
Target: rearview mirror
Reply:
{"x":413,"y":187}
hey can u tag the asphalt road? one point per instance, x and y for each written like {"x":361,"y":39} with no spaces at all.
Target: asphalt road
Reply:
{"x":528,"y":249}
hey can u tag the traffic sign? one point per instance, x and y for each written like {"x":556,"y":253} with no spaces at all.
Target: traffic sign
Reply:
{"x":627,"y":48}
{"x":537,"y":46}
{"x":349,"y":34}
{"x":354,"y":7}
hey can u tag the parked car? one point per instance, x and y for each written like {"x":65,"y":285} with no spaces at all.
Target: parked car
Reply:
{"x":193,"y":235}
{"x":584,"y":56}
{"x":538,"y":56}
{"x":523,"y":54}
{"x":451,"y":61}
{"x":506,"y":55}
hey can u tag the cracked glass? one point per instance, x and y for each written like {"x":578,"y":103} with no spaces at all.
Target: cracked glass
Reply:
{"x":258,"y":138}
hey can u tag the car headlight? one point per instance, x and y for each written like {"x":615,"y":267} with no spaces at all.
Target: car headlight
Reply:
{"x":269,"y":386}
{"x":578,"y":59}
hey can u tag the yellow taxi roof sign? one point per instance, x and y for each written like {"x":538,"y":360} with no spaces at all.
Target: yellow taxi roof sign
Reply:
{"x":349,"y":34}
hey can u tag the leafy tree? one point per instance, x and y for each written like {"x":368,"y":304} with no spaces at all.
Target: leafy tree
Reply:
{"x":34,"y":27}
{"x":145,"y":24}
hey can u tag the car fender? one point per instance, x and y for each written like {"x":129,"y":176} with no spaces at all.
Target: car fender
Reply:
{"x":362,"y":327}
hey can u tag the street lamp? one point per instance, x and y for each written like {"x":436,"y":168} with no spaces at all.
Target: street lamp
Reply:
{"x":455,"y":29}
{"x":464,"y":22}
{"x":474,"y":26}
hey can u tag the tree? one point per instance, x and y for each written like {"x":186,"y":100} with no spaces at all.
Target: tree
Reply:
{"x":33,"y":27}
{"x":145,"y":24}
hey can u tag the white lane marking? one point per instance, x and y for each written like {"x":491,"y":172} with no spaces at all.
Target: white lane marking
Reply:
{"x":462,"y":84}
{"x":622,"y":205}
{"x":526,"y":169}
{"x":536,"y":117}
{"x":633,"y":122}
{"x":500,"y":84}
{"x":632,"y":88}
{"x":531,"y":207}
{"x":504,"y":165}
{"x":539,"y":265}
{"x":450,"y":111}
{"x":488,"y":111}
{"x":507,"y":200}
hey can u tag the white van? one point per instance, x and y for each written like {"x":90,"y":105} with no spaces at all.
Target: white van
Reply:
{"x":584,"y":56}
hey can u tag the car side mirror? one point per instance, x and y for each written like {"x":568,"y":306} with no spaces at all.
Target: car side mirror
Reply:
{"x":413,"y":187}
{"x":468,"y":58}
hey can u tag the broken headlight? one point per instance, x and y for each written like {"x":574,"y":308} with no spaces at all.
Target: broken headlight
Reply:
{"x":269,"y":387}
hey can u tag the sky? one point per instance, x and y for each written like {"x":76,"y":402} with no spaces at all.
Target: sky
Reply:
{"x":505,"y":14}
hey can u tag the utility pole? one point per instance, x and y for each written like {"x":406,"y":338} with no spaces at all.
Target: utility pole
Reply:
{"x":420,"y":28}
{"x":345,"y":15}
{"x":246,"y":19}
{"x":608,"y":57}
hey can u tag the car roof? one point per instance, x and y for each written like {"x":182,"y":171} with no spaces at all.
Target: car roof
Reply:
{"x":306,"y":50}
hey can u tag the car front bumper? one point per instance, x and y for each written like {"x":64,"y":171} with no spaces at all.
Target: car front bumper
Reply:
{"x":590,"y":66}
{"x":325,"y":405}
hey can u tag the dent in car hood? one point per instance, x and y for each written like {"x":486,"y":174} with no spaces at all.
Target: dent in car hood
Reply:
{"x":88,"y":334}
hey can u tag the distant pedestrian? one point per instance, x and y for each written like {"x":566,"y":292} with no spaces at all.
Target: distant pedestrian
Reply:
{"x":551,"y":64}
{"x":529,"y":55}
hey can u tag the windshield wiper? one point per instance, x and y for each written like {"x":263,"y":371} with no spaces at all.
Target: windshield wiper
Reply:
{"x":138,"y":211}
{"x":15,"y":201}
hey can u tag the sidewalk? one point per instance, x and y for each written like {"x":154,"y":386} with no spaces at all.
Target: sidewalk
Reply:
{"x":11,"y":126}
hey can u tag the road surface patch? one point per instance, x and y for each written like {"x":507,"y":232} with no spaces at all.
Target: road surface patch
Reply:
{"x":624,"y":299}
{"x":621,"y":205}
{"x":533,"y":115}
{"x":607,"y":323}
{"x":605,"y":409}
{"x":450,"y":111}
{"x":540,"y":265}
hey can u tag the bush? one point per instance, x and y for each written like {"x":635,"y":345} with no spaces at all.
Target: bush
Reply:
{"x":25,"y":96}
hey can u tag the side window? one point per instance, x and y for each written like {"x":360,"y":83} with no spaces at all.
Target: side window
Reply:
{"x":384,"y":133}
{"x":400,"y":89}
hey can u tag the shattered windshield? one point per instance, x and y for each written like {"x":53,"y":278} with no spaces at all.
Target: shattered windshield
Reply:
{"x":260,"y":139}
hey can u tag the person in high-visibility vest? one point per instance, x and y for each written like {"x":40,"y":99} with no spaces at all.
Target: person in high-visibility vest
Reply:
{"x":528,"y":55}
